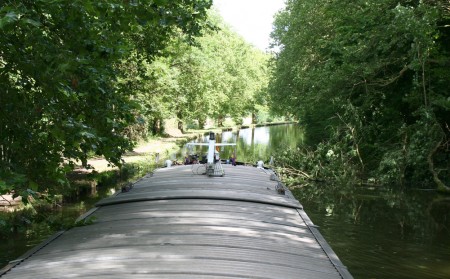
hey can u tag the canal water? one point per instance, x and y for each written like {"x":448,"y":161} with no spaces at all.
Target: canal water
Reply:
{"x":377,"y":232}
{"x":381,"y":232}
{"x":252,"y":144}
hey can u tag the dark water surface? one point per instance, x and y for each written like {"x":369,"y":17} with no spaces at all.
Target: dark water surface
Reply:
{"x":376,"y":232}
{"x":381,"y":233}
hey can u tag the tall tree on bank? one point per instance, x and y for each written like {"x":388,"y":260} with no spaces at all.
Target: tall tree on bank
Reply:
{"x":373,"y":74}
{"x":221,"y":75}
{"x":240,"y":72}
{"x":59,"y":95}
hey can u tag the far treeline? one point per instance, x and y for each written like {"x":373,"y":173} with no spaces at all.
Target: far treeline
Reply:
{"x":84,"y":78}
{"x":370,"y":80}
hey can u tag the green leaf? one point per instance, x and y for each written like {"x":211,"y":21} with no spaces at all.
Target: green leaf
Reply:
{"x":4,"y":188}
{"x":32,"y":22}
{"x":61,"y":68}
{"x":33,"y":186}
{"x":10,"y":17}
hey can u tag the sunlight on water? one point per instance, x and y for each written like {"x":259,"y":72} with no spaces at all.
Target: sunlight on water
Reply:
{"x":253,"y":144}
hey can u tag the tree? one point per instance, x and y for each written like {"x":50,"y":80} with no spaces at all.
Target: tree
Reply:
{"x":217,"y":76}
{"x":233,"y":74}
{"x":60,"y":98}
{"x":367,"y":71}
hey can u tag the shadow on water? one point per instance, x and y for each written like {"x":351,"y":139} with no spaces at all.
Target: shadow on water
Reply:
{"x":383,"y":233}
{"x":25,"y":228}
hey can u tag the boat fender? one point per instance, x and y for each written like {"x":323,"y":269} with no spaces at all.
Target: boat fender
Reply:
{"x":127,"y":187}
{"x":273,"y":177}
{"x":280,"y":189}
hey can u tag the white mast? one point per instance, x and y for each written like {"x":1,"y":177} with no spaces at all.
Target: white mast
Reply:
{"x":211,"y":148}
{"x":213,"y":168}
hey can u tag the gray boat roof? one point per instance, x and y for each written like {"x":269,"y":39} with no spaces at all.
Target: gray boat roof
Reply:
{"x":178,"y":224}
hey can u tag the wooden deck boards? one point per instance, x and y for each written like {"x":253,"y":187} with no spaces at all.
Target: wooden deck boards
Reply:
{"x":176,"y":224}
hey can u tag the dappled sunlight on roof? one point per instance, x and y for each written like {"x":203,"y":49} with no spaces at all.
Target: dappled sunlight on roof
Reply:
{"x":200,"y":227}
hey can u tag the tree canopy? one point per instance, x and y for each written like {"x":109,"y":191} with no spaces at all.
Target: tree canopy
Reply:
{"x":60,"y":66}
{"x":373,"y":75}
{"x":220,"y":75}
{"x":84,"y":78}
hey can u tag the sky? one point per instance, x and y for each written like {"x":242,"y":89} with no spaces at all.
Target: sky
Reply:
{"x":252,"y":19}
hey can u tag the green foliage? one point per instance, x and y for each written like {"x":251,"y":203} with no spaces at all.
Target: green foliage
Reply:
{"x":335,"y":162}
{"x":46,"y":215}
{"x":37,"y":221}
{"x":60,"y":95}
{"x":85,"y":222}
{"x":13,"y":222}
{"x":220,"y":75}
{"x":366,"y":71}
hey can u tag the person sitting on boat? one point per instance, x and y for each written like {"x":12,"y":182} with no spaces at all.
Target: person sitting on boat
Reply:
{"x":216,"y":156}
{"x":194,"y":159}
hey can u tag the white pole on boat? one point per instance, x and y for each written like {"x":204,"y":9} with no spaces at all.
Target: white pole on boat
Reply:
{"x":213,"y":168}
{"x":211,"y":148}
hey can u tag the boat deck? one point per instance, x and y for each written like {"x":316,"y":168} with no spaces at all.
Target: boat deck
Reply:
{"x":178,"y":224}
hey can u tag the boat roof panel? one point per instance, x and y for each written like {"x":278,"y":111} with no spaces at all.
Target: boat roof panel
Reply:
{"x":176,"y":224}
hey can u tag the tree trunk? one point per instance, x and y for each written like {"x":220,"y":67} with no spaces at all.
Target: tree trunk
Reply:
{"x":220,"y":121}
{"x":180,"y":122}
{"x":156,"y":129}
{"x":440,"y":185}
{"x":253,"y":118}
{"x":181,"y":126}
{"x":253,"y":136}
{"x":202,"y":122}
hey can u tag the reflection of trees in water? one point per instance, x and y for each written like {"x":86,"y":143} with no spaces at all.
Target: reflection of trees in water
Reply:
{"x":402,"y":232}
{"x":406,"y":213}
{"x":439,"y":210}
{"x":253,"y":144}
{"x":264,"y":141}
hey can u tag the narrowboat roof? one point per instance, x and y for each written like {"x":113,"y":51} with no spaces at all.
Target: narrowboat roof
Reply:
{"x":176,"y":223}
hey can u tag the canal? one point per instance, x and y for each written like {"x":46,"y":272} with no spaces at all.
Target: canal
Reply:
{"x":252,"y":145}
{"x":377,"y":232}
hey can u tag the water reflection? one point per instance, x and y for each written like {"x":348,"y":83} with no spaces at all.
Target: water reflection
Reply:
{"x":34,"y":229}
{"x":252,"y":144}
{"x":383,"y":233}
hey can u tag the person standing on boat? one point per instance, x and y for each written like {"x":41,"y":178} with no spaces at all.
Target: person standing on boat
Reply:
{"x":233,"y":159}
{"x":187,"y":161}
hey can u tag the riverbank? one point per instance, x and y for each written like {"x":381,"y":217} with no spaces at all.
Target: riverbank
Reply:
{"x":149,"y":155}
{"x":151,"y":150}
{"x":31,"y":224}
